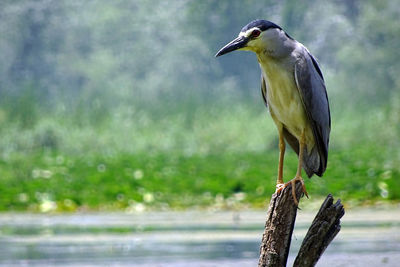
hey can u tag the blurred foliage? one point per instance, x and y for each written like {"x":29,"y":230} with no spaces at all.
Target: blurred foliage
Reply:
{"x":121,"y":104}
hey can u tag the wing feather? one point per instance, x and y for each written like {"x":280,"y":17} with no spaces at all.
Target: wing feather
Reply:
{"x":264,"y":90}
{"x":311,"y":86}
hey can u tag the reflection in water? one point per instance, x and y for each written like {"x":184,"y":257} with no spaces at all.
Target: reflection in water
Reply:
{"x":182,"y":239}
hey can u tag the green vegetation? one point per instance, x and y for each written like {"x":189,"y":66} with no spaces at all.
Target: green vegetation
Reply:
{"x":120,"y":105}
{"x":227,"y":160}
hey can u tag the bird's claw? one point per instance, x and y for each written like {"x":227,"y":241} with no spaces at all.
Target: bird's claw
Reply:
{"x":281,"y":186}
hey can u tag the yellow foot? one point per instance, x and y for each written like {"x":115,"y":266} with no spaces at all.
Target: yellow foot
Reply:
{"x":280,"y":187}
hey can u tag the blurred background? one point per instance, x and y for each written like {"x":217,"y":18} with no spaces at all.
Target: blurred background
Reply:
{"x":120,"y":106}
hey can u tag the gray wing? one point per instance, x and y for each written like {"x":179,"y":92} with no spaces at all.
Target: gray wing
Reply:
{"x":264,"y":89}
{"x":311,"y":86}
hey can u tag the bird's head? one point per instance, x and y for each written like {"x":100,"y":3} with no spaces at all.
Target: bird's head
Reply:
{"x":256,"y":36}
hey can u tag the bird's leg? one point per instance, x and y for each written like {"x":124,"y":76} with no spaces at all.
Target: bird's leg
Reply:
{"x":298,"y":173}
{"x":279,"y":182}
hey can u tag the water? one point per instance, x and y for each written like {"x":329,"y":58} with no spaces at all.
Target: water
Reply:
{"x":198,"y":238}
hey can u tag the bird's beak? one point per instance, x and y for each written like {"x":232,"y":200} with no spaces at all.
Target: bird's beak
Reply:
{"x":235,"y":44}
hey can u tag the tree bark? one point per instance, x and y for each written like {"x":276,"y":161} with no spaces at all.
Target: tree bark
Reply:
{"x":275,"y":245}
{"x":279,"y":226}
{"x":322,"y":231}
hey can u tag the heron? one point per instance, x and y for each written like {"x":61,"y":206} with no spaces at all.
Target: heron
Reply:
{"x":293,"y":89}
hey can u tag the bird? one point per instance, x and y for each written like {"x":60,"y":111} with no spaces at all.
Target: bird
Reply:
{"x":293,"y":89}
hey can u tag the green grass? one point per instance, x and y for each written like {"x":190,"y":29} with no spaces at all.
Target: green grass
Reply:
{"x":217,"y":158}
{"x":176,"y":181}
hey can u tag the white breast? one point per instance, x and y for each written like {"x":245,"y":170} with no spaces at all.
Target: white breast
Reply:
{"x":284,"y":100}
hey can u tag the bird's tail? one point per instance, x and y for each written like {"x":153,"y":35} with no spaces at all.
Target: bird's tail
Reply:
{"x":312,"y":162}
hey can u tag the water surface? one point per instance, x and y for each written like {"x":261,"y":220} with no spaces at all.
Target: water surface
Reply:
{"x":194,"y":238}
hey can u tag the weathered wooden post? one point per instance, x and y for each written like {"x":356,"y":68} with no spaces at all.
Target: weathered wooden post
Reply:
{"x":275,"y":244}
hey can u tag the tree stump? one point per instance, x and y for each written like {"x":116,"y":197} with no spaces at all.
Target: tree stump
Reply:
{"x":275,"y":244}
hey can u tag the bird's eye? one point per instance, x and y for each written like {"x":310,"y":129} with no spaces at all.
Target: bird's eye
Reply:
{"x":255,"y":33}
